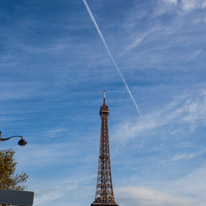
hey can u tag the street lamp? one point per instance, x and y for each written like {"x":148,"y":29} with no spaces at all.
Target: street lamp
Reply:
{"x":22,"y":142}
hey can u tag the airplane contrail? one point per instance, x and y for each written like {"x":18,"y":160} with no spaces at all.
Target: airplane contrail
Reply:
{"x":111,"y":56}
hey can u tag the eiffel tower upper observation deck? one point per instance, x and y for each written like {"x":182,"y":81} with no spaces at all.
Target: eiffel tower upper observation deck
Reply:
{"x":104,"y":190}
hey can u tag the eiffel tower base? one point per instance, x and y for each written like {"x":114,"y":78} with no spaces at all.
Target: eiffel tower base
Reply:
{"x":104,"y":204}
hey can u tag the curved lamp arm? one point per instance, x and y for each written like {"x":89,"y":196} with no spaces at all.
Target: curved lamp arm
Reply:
{"x":21,"y":142}
{"x":5,"y":139}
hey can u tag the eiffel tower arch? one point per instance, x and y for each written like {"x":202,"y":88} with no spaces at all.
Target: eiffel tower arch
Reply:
{"x":104,"y":195}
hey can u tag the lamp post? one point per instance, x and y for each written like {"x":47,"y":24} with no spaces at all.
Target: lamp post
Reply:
{"x":13,"y":197}
{"x":21,"y":142}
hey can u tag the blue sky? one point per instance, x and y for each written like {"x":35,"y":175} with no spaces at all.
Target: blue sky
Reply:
{"x":53,"y":71}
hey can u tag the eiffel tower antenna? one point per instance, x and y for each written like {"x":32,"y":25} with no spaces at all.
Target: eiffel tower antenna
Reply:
{"x":104,"y":189}
{"x":104,"y":98}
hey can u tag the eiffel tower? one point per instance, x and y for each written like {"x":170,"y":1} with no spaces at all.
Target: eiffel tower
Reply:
{"x":104,"y":190}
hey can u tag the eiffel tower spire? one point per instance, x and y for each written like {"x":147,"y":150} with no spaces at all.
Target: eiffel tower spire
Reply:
{"x":104,"y":189}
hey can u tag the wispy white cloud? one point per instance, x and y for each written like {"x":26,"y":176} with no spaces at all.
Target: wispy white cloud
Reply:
{"x":189,"y":5}
{"x":134,"y":44}
{"x":185,"y":191}
{"x":53,"y":133}
{"x":22,"y":90}
{"x":192,"y":184}
{"x":136,"y":195}
{"x":170,"y":1}
{"x":45,"y":155}
{"x":195,"y":54}
{"x":187,"y":110}
{"x":183,"y":145}
{"x":163,"y":7}
{"x":188,"y":156}
{"x":76,"y":189}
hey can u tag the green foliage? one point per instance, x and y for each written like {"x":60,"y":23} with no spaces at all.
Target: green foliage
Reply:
{"x":8,"y":179}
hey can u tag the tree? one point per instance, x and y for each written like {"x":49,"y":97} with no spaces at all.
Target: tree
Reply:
{"x":8,"y":179}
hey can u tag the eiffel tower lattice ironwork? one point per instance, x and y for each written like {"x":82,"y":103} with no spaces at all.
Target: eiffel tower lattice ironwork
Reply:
{"x":104,"y":189}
